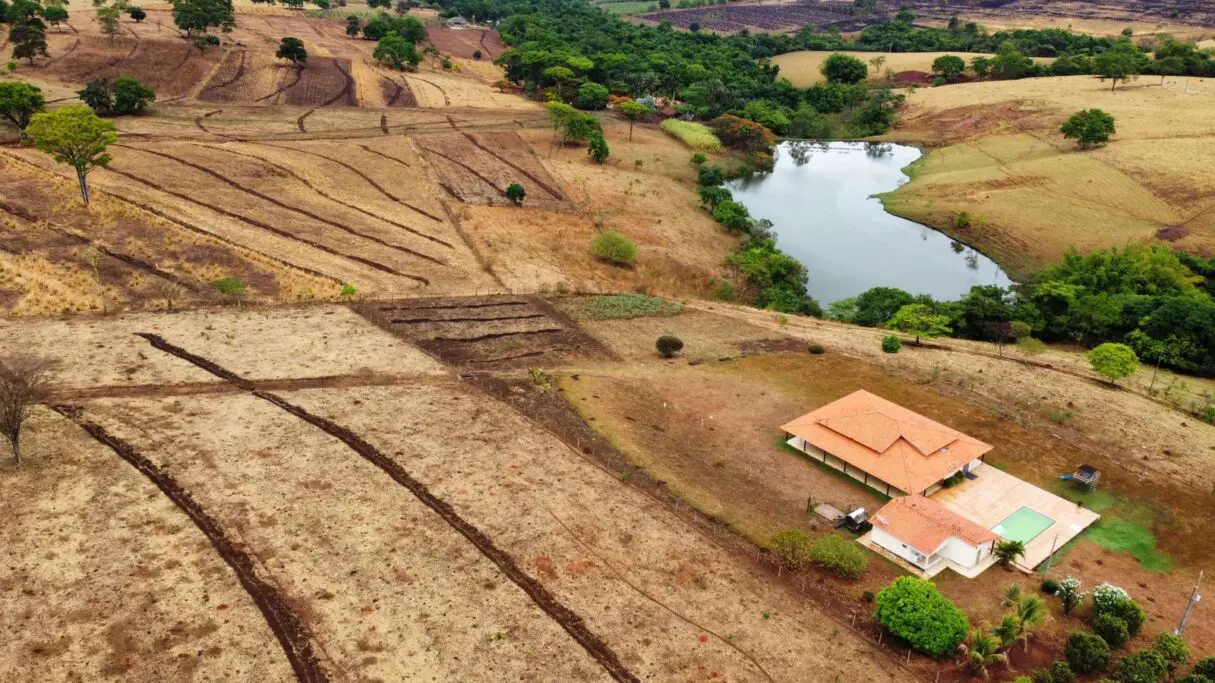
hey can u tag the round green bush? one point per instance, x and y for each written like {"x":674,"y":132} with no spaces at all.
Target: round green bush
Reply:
{"x":839,"y":556}
{"x":1147,"y":666}
{"x":912,"y":609}
{"x":1086,"y":652}
{"x":1111,"y":629}
{"x":891,"y":344}
{"x":1050,"y":586}
{"x":1174,"y":650}
{"x":1131,"y":614}
{"x":1205,"y":667}
{"x":1194,"y":678}
{"x":668,"y":345}
{"x":816,"y":349}
{"x":614,"y":248}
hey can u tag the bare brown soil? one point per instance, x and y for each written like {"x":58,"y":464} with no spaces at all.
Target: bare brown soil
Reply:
{"x":477,"y":168}
{"x":463,"y":42}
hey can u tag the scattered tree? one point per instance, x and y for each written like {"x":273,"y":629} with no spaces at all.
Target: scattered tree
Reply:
{"x":614,"y":248}
{"x":28,"y":36}
{"x":196,"y":17}
{"x":1114,"y":361}
{"x":516,"y":193}
{"x":891,"y":344}
{"x":292,"y":49}
{"x":74,"y":136}
{"x":395,"y":52}
{"x":19,"y":102}
{"x":1120,"y":63}
{"x":597,"y":149}
{"x":791,"y":547}
{"x":1086,"y":652}
{"x":137,"y":14}
{"x":919,"y":320}
{"x":1007,"y":552}
{"x":591,"y":95}
{"x":634,"y":112}
{"x":130,"y":96}
{"x":842,"y":68}
{"x":668,"y":345}
{"x":107,"y":17}
{"x":353,"y":26}
{"x":948,"y":67}
{"x":55,"y":15}
{"x":24,"y":383}
{"x":1089,"y":128}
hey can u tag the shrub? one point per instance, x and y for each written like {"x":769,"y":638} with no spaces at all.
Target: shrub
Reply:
{"x":597,"y":149}
{"x":230,"y":286}
{"x":710,"y":176}
{"x":839,"y":556}
{"x":592,"y":95}
{"x":1131,"y":614}
{"x":348,"y":291}
{"x":1205,"y":667}
{"x":1111,"y":629}
{"x":694,"y":135}
{"x":816,"y":349}
{"x":791,"y":547}
{"x":711,"y":196}
{"x":891,"y":344}
{"x":1114,"y":361}
{"x":1089,"y":127}
{"x":962,"y":222}
{"x":668,"y":345}
{"x":1070,"y":594}
{"x":867,"y":596}
{"x":1147,"y":666}
{"x":1194,"y":678}
{"x":1172,"y":648}
{"x":476,"y":54}
{"x":842,"y":68}
{"x":516,"y":193}
{"x":913,"y":609}
{"x":614,"y":248}
{"x":1050,"y":586}
{"x":1086,"y":652}
{"x":699,"y":158}
{"x":1057,"y":672}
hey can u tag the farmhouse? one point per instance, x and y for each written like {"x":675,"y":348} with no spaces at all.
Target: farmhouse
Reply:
{"x":884,"y":445}
{"x":932,"y":537}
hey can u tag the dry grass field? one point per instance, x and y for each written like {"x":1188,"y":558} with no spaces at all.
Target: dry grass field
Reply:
{"x":996,"y":152}
{"x":802,"y":68}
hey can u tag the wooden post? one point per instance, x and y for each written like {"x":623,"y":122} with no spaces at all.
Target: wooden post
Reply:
{"x":809,"y":504}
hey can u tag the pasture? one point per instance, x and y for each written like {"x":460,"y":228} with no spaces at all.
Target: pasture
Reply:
{"x":802,"y":68}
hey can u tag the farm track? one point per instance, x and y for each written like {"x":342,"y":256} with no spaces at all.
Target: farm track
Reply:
{"x":540,"y":183}
{"x":198,"y":122}
{"x":240,"y":73}
{"x":303,"y":212}
{"x":403,"y":321}
{"x":436,"y":86}
{"x":365,"y":177}
{"x":137,"y":263}
{"x":312,"y":187}
{"x":571,"y":622}
{"x":369,"y":150}
{"x":209,"y":388}
{"x":289,"y":628}
{"x":346,"y":89}
{"x":270,"y":228}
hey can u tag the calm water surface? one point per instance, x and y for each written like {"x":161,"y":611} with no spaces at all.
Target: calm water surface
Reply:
{"x":819,"y":199}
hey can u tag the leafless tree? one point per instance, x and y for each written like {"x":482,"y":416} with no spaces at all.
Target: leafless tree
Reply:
{"x":24,"y":383}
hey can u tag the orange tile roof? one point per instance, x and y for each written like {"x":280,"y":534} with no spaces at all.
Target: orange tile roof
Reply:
{"x":925,"y":524}
{"x":902,"y":448}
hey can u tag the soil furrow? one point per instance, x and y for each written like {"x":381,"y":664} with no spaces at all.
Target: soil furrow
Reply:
{"x":527,"y":174}
{"x":570,"y":621}
{"x":503,"y":359}
{"x":298,"y":73}
{"x":266,"y":226}
{"x":455,"y":306}
{"x":240,"y":72}
{"x":226,"y":387}
{"x":346,"y":89}
{"x":386,"y":156}
{"x":406,"y":321}
{"x":364,"y":176}
{"x":310,"y":186}
{"x":446,"y":99}
{"x":496,"y":335}
{"x":300,"y":121}
{"x":66,"y":52}
{"x":283,"y":205}
{"x":292,"y":632}
{"x":198,"y":121}
{"x":468,"y":168}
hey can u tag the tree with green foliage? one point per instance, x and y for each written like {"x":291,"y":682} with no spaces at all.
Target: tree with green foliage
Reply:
{"x":981,"y":66}
{"x":614,"y":248}
{"x":231,"y":287}
{"x":1057,"y":672}
{"x":1089,"y":127}
{"x":773,"y":280}
{"x":876,"y":306}
{"x":1147,"y":666}
{"x":516,"y":193}
{"x":1070,"y":594}
{"x":597,"y":147}
{"x":136,"y":14}
{"x":107,"y":18}
{"x":1086,"y":652}
{"x":55,"y":15}
{"x":292,"y":49}
{"x":131,"y":96}
{"x":1173,"y":648}
{"x":353,"y":26}
{"x":195,"y":18}
{"x":912,"y":609}
{"x":948,"y":68}
{"x":791,"y":547}
{"x":19,"y":102}
{"x":98,"y":95}
{"x":591,"y":95}
{"x":1114,"y":361}
{"x":634,"y":112}
{"x":1205,"y":667}
{"x":1010,"y":63}
{"x":840,"y":556}
{"x":668,"y":345}
{"x":27,"y":34}
{"x":982,"y":650}
{"x":74,"y":136}
{"x":1111,"y":629}
{"x":891,"y":344}
{"x":395,"y":52}
{"x":385,"y":4}
{"x":1120,"y":63}
{"x":842,"y":68}
{"x":1006,"y":552}
{"x":919,"y":320}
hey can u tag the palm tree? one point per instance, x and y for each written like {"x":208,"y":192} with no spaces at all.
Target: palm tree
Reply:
{"x":1007,"y":552}
{"x":1030,"y":613}
{"x":1007,"y":630}
{"x":981,"y":651}
{"x":1011,"y":596}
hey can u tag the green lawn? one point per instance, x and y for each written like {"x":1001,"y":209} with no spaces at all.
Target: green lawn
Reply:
{"x":1125,"y":525}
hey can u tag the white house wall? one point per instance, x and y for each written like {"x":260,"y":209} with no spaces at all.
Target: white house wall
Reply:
{"x":884,"y":540}
{"x":960,"y":552}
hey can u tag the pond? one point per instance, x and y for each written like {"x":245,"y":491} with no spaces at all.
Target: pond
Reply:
{"x":820,"y":199}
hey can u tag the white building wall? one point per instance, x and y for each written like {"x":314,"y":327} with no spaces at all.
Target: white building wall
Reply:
{"x":962,"y":553}
{"x":894,"y":545}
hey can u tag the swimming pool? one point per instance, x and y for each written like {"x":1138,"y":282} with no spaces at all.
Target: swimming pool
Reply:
{"x":1023,"y":525}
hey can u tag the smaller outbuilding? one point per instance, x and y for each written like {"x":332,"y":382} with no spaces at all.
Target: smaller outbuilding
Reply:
{"x":931,"y":537}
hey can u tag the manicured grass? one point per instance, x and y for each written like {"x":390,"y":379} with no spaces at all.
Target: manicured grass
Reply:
{"x":620,"y":306}
{"x":1123,"y":536}
{"x":694,"y":135}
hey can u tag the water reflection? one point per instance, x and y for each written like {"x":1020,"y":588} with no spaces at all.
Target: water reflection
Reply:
{"x":819,"y":196}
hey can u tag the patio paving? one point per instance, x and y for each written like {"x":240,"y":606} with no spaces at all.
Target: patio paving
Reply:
{"x":993,"y":496}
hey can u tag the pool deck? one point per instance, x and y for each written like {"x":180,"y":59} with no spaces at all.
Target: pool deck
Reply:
{"x":993,"y":495}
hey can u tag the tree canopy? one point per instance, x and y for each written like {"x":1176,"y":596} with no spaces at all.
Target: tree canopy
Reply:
{"x":395,"y":52}
{"x":912,"y":609}
{"x":74,"y":136}
{"x":292,"y":49}
{"x":197,"y":17}
{"x":1089,"y":127}
{"x":842,"y":68}
{"x":19,"y":102}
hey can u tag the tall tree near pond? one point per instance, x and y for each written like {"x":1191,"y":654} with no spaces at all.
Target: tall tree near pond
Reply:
{"x":919,"y":320}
